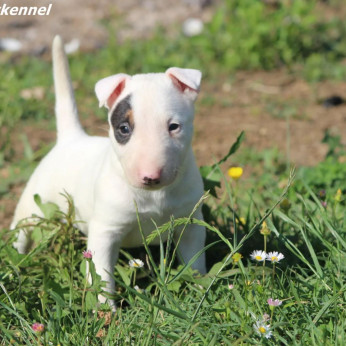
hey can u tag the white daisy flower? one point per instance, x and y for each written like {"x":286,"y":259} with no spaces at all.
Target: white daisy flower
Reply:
{"x":136,"y":263}
{"x":258,"y":255}
{"x":275,"y":256}
{"x":263,"y":329}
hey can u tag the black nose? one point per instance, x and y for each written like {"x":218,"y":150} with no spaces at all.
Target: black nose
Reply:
{"x":151,"y":181}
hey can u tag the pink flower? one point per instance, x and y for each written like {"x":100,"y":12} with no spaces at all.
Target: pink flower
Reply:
{"x":38,"y":327}
{"x":230,"y":286}
{"x":275,"y":302}
{"x":324,"y":204}
{"x":87,"y":254}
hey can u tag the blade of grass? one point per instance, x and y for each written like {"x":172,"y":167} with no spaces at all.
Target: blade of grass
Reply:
{"x":327,"y":304}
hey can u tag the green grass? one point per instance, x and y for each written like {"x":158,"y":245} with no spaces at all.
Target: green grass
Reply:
{"x":175,"y":306}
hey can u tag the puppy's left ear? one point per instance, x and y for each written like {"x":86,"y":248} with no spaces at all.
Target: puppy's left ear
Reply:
{"x":188,"y":81}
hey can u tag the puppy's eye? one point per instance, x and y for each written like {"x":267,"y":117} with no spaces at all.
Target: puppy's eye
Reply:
{"x":173,"y":127}
{"x":124,"y":129}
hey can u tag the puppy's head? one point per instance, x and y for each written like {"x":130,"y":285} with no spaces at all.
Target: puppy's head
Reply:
{"x":151,"y":122}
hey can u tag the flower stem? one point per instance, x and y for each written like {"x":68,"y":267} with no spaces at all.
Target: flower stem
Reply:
{"x":264,"y":262}
{"x":85,"y":284}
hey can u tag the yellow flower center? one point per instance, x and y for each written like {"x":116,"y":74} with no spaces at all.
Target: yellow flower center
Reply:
{"x":274,"y":258}
{"x":258,"y":258}
{"x":262,"y":330}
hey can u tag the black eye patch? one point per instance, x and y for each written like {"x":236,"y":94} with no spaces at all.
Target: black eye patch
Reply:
{"x":122,"y":120}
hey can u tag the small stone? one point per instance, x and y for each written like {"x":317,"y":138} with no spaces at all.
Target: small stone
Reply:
{"x":226,"y":87}
{"x":10,"y":44}
{"x":192,"y":27}
{"x":36,"y":93}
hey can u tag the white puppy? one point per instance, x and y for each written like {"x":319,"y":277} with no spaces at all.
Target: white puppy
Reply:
{"x":146,"y":161}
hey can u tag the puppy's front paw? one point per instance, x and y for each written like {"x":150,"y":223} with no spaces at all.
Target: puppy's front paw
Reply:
{"x":103,"y":300}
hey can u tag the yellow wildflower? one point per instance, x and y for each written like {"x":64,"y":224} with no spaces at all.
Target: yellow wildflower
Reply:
{"x":264,"y":229}
{"x":237,"y":257}
{"x":337,"y":196}
{"x":241,"y":220}
{"x":235,"y":172}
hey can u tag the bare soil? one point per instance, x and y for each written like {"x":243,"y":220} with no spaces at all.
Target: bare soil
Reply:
{"x":275,"y":108}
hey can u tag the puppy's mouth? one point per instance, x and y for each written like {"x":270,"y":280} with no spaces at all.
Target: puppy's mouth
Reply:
{"x":151,"y":182}
{"x":153,"y":185}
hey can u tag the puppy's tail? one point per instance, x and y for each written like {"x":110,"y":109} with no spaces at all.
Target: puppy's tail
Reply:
{"x":68,"y":124}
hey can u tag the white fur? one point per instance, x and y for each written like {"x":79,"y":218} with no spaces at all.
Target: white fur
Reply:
{"x":105,"y":178}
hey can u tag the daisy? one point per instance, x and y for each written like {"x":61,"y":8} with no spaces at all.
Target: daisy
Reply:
{"x":273,"y":302}
{"x":136,"y":263}
{"x":263,"y":329}
{"x":258,"y":255}
{"x":275,"y":256}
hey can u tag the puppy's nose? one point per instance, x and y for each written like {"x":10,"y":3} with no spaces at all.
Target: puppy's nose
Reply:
{"x":152,"y":178}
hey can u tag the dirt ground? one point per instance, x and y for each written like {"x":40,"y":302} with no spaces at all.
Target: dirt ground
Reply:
{"x":91,"y":21}
{"x":269,"y":106}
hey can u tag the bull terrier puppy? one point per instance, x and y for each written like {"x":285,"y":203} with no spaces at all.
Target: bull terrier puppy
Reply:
{"x":147,"y":161}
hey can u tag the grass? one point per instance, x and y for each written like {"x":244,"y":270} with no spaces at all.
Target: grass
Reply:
{"x":165,"y":303}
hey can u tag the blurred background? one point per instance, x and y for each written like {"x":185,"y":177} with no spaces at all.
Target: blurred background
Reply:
{"x":274,"y":68}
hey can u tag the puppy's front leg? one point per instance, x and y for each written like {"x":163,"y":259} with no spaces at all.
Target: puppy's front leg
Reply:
{"x":104,"y":244}
{"x":23,"y":242}
{"x":192,"y":241}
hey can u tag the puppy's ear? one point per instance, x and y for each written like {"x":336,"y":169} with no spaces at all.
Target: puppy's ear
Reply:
{"x":188,"y":81}
{"x":109,"y":89}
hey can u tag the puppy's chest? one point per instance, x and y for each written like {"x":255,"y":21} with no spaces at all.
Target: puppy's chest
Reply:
{"x":152,"y":210}
{"x":158,"y":206}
